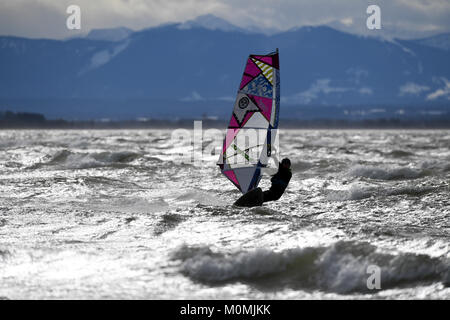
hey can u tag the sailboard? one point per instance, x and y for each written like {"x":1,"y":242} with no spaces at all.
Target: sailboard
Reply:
{"x":251,"y":132}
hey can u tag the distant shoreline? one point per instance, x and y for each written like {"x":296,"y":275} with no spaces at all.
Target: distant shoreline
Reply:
{"x":12,"y":120}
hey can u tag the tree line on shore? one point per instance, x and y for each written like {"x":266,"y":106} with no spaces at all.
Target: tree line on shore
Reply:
{"x":27,"y":120}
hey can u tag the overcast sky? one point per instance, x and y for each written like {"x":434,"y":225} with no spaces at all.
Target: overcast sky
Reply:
{"x":47,"y":18}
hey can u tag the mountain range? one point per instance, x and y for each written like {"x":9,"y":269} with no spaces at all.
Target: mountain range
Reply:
{"x":194,"y":68}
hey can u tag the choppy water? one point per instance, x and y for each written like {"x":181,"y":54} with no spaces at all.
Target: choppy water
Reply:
{"x":111,"y":214}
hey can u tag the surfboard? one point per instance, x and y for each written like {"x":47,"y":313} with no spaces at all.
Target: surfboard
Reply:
{"x":251,"y":132}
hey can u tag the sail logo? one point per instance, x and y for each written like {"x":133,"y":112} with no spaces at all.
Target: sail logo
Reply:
{"x":244,"y":108}
{"x":244,"y":102}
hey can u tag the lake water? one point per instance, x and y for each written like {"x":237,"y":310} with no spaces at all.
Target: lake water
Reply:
{"x":102,"y":214}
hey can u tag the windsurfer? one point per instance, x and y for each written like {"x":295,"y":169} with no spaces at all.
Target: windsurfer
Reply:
{"x":280,"y":181}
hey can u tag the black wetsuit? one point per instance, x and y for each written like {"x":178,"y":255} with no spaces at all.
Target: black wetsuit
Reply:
{"x":280,"y":182}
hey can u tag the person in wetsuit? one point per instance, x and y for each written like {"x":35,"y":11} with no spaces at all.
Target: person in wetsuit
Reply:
{"x":279,"y":181}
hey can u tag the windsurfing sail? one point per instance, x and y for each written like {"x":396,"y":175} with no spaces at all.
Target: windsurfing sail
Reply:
{"x":251,"y":131}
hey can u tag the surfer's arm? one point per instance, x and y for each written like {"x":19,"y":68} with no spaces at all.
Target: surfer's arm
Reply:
{"x":280,"y":182}
{"x":275,"y":177}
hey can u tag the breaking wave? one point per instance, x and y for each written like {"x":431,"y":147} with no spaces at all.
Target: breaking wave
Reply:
{"x":301,"y":166}
{"x":400,"y":154}
{"x":168,"y":222}
{"x":357,"y":192}
{"x":66,"y":159}
{"x":4,"y":254}
{"x":394,"y":173}
{"x":354,"y":193}
{"x":200,"y":197}
{"x":342,"y":267}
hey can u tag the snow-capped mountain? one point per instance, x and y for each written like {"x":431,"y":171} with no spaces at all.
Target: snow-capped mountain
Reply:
{"x":113,"y":34}
{"x":200,"y":63}
{"x":210,"y":22}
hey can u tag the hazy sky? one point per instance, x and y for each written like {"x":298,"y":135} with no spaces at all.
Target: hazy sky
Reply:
{"x":47,"y":18}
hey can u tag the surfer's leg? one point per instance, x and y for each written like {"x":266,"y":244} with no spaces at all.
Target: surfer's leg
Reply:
{"x":268,"y":196}
{"x":271,"y":195}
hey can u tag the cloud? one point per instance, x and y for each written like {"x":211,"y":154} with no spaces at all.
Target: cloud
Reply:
{"x":193,"y":97}
{"x":103,"y":57}
{"x":443,"y":92}
{"x":346,"y":21}
{"x":421,"y":5}
{"x":227,"y":99}
{"x":320,"y":86}
{"x":412,"y":88}
{"x":356,"y":74}
{"x":365,"y":90}
{"x":46,"y":18}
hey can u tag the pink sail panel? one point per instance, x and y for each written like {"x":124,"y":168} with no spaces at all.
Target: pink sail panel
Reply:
{"x":233,"y":123}
{"x":251,"y":68}
{"x":250,"y":72}
{"x":265,"y":104}
{"x":230,"y":175}
{"x":267,"y":60}
{"x":245,"y":79}
{"x":231,"y":134}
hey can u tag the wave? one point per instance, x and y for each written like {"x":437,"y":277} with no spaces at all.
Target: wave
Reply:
{"x":301,"y":166}
{"x":131,"y":205}
{"x":4,"y":254}
{"x":12,"y":164}
{"x":168,"y":222}
{"x":414,"y":191}
{"x":66,"y":159}
{"x":354,"y":193}
{"x":357,"y":192}
{"x":393,"y":173}
{"x":342,"y":267}
{"x":95,"y":181}
{"x":201,"y":197}
{"x":399,"y":154}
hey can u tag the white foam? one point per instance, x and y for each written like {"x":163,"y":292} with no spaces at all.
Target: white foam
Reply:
{"x":359,"y":192}
{"x":355,"y":192}
{"x":388,"y":173}
{"x":64,"y":159}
